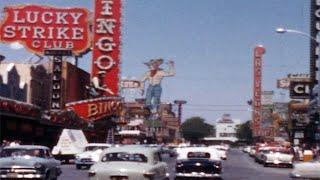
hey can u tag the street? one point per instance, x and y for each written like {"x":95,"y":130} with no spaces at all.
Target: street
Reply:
{"x":239,"y":166}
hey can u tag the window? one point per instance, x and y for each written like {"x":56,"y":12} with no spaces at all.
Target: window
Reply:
{"x":122,"y":156}
{"x":199,"y":155}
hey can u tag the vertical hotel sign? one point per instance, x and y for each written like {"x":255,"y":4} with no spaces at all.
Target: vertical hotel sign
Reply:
{"x":258,"y":52}
{"x":106,"y":47}
{"x":314,"y":45}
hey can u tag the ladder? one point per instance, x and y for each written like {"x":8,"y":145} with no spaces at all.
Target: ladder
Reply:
{"x":110,"y":136}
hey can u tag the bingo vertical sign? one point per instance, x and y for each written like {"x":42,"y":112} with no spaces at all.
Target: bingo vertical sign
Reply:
{"x":106,"y":46}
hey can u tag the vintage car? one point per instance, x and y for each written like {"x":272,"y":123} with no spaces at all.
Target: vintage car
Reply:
{"x":260,"y":154}
{"x":198,"y":162}
{"x":306,"y":170}
{"x":277,"y":157}
{"x":252,"y":152}
{"x":28,"y":162}
{"x":91,"y":154}
{"x":222,"y":150}
{"x":130,"y":162}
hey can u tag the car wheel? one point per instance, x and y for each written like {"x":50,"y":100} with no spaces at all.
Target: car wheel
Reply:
{"x":265,"y":164}
{"x":47,"y":175}
{"x":78,"y":166}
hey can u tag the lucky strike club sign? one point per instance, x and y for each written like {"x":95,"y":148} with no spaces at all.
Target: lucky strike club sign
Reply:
{"x":39,"y":28}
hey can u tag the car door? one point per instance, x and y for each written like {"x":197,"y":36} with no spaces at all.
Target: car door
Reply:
{"x":51,"y":163}
{"x":160,"y":166}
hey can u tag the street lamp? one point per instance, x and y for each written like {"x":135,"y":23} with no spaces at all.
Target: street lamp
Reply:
{"x":282,"y":30}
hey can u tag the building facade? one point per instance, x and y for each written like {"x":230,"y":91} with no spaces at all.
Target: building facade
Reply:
{"x":226,"y":127}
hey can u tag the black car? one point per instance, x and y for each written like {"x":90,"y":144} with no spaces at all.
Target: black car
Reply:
{"x":198,"y":166}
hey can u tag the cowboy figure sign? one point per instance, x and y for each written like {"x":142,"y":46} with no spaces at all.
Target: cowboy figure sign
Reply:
{"x":154,"y":77}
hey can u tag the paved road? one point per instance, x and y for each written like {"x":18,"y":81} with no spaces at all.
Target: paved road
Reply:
{"x":239,"y":166}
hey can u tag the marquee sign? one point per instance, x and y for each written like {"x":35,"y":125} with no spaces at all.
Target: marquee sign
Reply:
{"x":106,"y":47}
{"x":40,"y":27}
{"x":300,"y":90}
{"x":130,"y":84}
{"x":95,"y":109}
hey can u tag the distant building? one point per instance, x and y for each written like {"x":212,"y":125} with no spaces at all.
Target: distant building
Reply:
{"x":25,"y":82}
{"x":164,"y":129}
{"x":226,"y":127}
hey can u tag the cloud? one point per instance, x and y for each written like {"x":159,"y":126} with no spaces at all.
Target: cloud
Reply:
{"x":16,"y":46}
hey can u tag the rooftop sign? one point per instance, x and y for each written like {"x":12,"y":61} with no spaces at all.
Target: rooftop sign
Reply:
{"x":41,"y":27}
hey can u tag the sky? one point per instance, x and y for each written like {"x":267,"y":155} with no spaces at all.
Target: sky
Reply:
{"x":211,"y":43}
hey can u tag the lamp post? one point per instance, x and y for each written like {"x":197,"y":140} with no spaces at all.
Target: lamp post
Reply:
{"x":282,"y":30}
{"x":2,"y":57}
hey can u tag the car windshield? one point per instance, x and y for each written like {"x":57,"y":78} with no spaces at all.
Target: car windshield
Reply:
{"x":204,"y":155}
{"x":94,"y":148}
{"x":22,"y":152}
{"x":121,"y":156}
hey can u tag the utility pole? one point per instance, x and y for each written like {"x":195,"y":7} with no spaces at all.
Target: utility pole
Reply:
{"x":180,"y":103}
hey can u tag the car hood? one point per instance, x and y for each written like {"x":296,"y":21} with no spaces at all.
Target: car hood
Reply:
{"x":19,"y":161}
{"x":90,"y":153}
{"x":279,"y":156}
{"x":121,"y":167}
{"x":306,"y":165}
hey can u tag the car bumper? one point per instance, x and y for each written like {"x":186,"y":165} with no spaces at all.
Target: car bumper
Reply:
{"x":22,"y":176}
{"x":295,"y":175}
{"x":276,"y":162}
{"x":79,"y":162}
{"x":197,"y":175}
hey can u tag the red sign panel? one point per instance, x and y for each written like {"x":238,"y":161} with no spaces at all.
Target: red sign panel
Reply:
{"x":106,"y":46}
{"x":258,"y":52}
{"x":95,"y":109}
{"x":39,"y":28}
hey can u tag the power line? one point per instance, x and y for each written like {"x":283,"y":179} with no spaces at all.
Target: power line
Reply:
{"x":203,"y":109}
{"x":217,"y":105}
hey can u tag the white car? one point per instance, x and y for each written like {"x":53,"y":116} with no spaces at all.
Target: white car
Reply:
{"x":306,"y":170}
{"x":277,"y":158}
{"x":222,"y":150}
{"x":130,"y":162}
{"x":198,"y":162}
{"x":91,"y":154}
{"x":252,"y":152}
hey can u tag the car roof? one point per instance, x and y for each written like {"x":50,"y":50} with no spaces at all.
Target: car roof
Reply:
{"x":183,"y":152}
{"x":26,"y":147}
{"x":133,"y":149}
{"x":98,"y":144}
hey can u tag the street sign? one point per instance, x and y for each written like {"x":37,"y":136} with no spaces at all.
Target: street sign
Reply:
{"x":299,"y":90}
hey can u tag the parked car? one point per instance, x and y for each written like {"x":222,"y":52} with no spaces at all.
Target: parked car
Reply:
{"x":198,"y":162}
{"x":260,"y":154}
{"x":246,"y":149}
{"x":28,"y":162}
{"x":130,"y":162}
{"x":91,"y":154}
{"x":222,"y":150}
{"x":306,"y":170}
{"x":252,"y":152}
{"x":278,"y":157}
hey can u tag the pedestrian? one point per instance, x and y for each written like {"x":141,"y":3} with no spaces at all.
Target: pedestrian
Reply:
{"x":315,"y":152}
{"x":4,"y":144}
